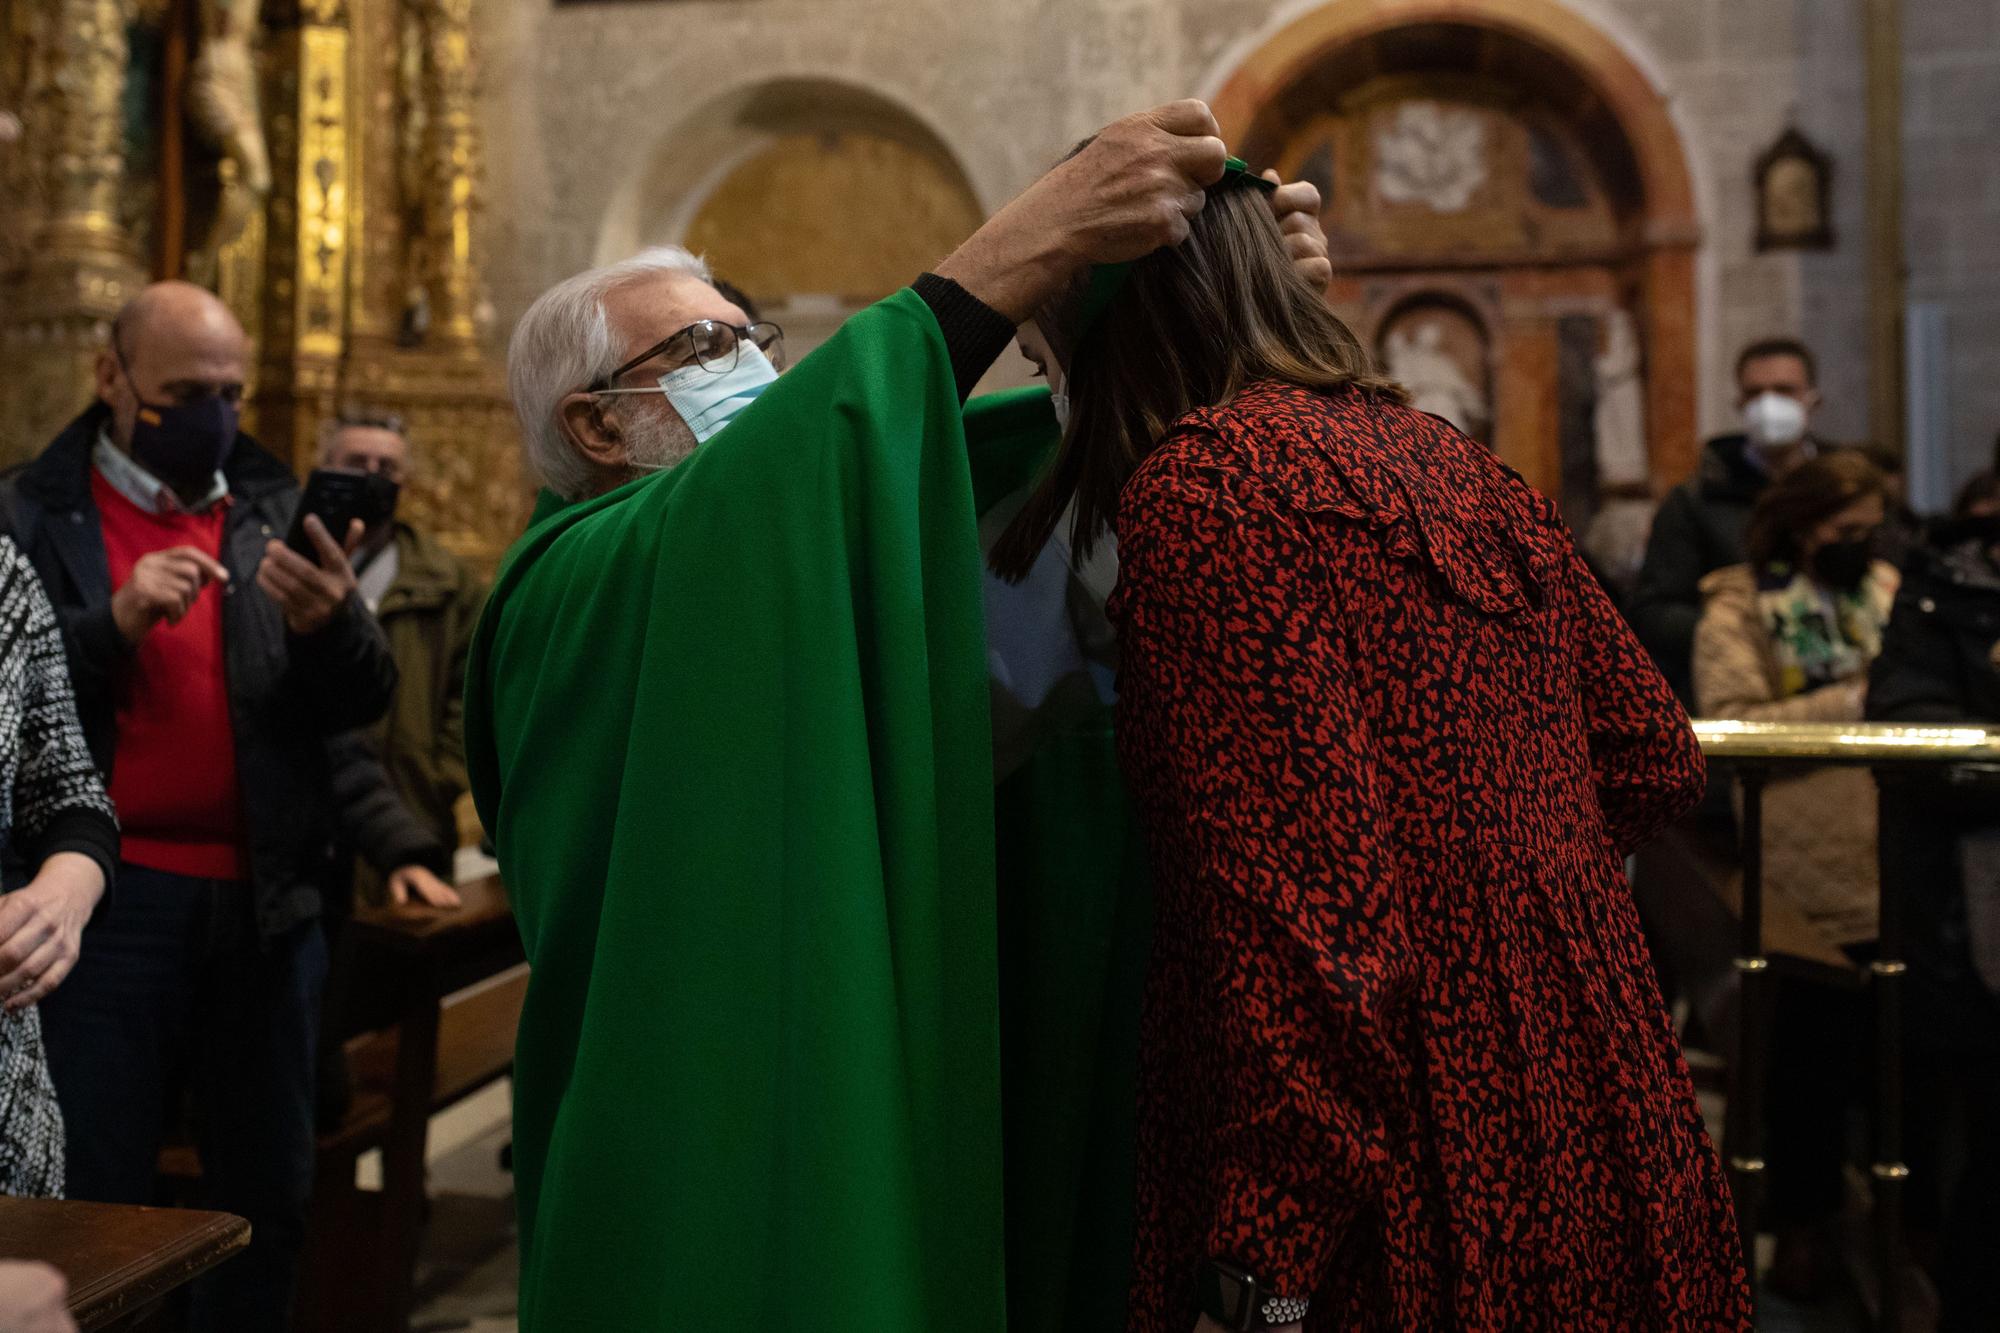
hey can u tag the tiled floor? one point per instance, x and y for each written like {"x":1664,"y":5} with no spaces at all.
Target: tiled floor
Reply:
{"x":469,"y":1266}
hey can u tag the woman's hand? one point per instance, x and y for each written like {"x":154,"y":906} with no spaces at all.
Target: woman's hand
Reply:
{"x":41,"y":927}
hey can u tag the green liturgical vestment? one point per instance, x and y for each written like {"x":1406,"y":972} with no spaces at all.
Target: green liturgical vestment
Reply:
{"x":1075,"y":907}
{"x":729,"y":727}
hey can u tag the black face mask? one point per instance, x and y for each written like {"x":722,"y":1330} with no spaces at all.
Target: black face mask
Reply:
{"x":378,"y":500}
{"x":382,"y":495}
{"x":1843,"y":565}
{"x":184,"y":444}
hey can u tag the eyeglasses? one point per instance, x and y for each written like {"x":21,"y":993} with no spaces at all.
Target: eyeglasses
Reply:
{"x":708,"y":343}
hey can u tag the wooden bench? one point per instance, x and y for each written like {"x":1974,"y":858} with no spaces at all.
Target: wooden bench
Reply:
{"x":453,"y":984}
{"x":436,"y":998}
{"x":121,"y":1261}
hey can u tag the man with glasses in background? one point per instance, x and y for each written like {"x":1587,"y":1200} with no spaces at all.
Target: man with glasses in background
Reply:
{"x":211,"y":664}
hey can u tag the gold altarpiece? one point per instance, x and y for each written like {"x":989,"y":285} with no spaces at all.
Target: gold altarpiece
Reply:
{"x":316,"y":162}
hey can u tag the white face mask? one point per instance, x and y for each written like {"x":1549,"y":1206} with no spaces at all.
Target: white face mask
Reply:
{"x":708,"y":401}
{"x":1060,"y":402}
{"x":1774,"y":420}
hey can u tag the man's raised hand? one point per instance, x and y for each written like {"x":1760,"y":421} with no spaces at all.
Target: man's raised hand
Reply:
{"x":1297,"y":207}
{"x":1129,"y":192}
{"x":309,"y":593}
{"x":1133,"y":189}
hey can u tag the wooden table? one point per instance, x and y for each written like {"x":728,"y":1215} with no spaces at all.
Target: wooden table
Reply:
{"x":121,"y":1261}
{"x":362,"y":1258}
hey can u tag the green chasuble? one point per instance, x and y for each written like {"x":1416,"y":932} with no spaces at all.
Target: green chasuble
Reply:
{"x":729,"y":727}
{"x":1075,"y":904}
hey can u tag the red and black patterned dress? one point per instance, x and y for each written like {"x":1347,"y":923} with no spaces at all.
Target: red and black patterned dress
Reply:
{"x":1403,"y":1049}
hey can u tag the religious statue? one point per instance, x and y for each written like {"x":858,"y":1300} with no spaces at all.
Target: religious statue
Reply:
{"x":1431,"y":154}
{"x":1620,"y":416}
{"x":222,"y":107}
{"x":1616,"y":539}
{"x":1794,"y":182}
{"x":1437,"y":383}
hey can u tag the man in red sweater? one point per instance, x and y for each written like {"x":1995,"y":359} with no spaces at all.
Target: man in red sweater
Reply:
{"x":212,"y":664}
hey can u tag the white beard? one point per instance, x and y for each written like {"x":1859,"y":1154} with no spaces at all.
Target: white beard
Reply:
{"x":656,"y":438}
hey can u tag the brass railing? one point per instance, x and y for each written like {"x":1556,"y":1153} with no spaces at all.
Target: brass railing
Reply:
{"x":1753,"y":752}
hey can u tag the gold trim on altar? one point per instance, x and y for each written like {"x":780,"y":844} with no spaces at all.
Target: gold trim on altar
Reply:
{"x":319,"y":164}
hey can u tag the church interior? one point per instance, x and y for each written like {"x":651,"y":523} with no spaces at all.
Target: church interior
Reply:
{"x":1556,"y":222}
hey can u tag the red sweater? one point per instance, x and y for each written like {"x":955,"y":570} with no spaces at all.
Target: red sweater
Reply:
{"x":173,"y":777}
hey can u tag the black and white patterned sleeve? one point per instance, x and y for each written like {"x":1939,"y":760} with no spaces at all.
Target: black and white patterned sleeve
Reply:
{"x":58,"y":800}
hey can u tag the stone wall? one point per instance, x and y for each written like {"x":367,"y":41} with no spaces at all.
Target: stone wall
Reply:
{"x":1951,"y":204}
{"x":581,"y":97}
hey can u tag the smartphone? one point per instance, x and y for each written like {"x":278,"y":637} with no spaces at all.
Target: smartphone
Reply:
{"x":340,"y":495}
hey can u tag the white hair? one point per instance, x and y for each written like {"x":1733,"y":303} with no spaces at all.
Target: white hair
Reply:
{"x":563,"y":344}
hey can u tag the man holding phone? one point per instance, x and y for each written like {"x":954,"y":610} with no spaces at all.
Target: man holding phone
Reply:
{"x":211,"y":666}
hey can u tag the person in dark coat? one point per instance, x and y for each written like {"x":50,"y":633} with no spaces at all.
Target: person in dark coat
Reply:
{"x":1700,"y":526}
{"x":1940,"y":663}
{"x":427,"y":601}
{"x":212,"y":664}
{"x":1404,"y":1063}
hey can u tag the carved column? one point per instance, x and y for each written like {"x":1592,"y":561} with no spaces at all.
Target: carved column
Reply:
{"x":79,"y":268}
{"x":1887,"y":269}
{"x":451,"y":168}
{"x":305,"y":304}
{"x":415,"y":217}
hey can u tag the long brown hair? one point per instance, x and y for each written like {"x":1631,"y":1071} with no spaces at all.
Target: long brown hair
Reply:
{"x":1192,"y":326}
{"x":1807,"y":496}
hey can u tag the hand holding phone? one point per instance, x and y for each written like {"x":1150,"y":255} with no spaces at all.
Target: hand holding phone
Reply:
{"x":339,"y":496}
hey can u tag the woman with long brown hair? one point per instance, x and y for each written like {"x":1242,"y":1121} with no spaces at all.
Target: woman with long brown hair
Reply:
{"x":1404,"y":1064}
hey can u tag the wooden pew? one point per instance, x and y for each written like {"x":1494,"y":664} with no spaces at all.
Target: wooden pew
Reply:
{"x":449,"y":987}
{"x":436,"y":998}
{"x":121,"y":1261}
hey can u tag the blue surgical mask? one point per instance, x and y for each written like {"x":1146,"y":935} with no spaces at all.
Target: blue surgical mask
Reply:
{"x":708,"y":401}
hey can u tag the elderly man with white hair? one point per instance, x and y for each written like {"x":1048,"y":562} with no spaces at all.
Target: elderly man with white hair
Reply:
{"x":727,"y":720}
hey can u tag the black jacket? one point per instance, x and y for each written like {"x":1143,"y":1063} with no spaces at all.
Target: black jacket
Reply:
{"x":1698,"y":530}
{"x":1940,"y":662}
{"x":287,"y":694}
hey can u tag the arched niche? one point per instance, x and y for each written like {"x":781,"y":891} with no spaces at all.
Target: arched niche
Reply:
{"x":814,"y":197}
{"x":1440,"y":346}
{"x":1510,"y":154}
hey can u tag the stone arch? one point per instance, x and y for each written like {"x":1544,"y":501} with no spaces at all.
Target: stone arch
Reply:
{"x":1572,"y":63}
{"x":756,"y":178}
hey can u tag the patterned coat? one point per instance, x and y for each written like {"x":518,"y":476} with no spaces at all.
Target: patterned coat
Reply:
{"x":1819,"y":825}
{"x":1403,"y":1048}
{"x":50,"y":800}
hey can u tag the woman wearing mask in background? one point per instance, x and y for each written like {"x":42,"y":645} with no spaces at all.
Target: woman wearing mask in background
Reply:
{"x":1404,"y":1064}
{"x":1789,"y":637}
